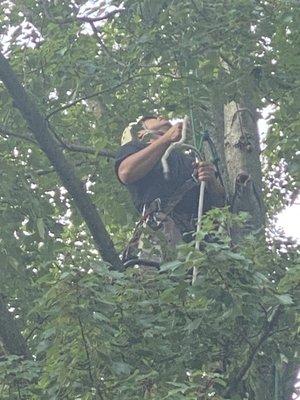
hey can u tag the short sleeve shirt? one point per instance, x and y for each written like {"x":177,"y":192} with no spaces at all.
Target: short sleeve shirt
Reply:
{"x":154,"y":184}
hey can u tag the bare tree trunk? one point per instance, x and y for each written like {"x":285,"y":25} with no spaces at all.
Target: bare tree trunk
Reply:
{"x":242,"y":155}
{"x":237,"y":141}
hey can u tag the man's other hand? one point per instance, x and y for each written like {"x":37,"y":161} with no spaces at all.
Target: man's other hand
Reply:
{"x":174,"y":133}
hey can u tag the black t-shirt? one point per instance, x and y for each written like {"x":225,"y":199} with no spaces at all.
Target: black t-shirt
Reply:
{"x":154,"y":185}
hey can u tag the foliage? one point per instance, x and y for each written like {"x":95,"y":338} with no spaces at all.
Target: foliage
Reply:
{"x":95,"y":333}
{"x":149,"y":334}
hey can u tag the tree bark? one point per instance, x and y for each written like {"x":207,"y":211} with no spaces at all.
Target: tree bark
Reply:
{"x":241,"y":143}
{"x":64,"y":169}
{"x":242,"y":154}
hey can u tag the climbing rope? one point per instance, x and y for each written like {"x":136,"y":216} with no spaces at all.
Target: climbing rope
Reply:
{"x":197,"y":149}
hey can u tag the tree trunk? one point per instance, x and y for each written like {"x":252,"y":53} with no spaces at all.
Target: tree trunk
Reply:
{"x":237,"y":140}
{"x":242,"y":157}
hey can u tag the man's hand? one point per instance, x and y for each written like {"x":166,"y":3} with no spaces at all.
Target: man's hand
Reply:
{"x":205,"y":172}
{"x":174,"y":133}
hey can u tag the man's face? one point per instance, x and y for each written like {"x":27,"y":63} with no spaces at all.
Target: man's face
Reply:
{"x":159,"y":124}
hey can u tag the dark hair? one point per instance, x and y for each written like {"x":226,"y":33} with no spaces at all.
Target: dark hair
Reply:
{"x":143,"y":119}
{"x":140,"y":124}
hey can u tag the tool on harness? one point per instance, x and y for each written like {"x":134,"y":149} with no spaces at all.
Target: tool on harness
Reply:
{"x":150,"y":214}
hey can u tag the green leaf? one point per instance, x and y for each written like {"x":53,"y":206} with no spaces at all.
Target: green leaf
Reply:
{"x":170,"y":266}
{"x":41,"y":227}
{"x":285,"y":299}
{"x":121,"y":368}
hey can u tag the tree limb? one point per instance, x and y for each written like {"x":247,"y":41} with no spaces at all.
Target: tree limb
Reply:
{"x":73,"y":103}
{"x":267,"y":332}
{"x":88,"y":150}
{"x":42,"y":172}
{"x":97,"y":19}
{"x":129,"y":79}
{"x":6,"y":133}
{"x":69,"y":146}
{"x":38,"y":125}
{"x":103,"y":46}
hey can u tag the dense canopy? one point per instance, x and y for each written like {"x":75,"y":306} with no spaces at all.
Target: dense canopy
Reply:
{"x":73,"y":323}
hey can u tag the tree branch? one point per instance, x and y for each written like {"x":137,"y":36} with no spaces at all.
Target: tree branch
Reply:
{"x":6,"y":133}
{"x":97,"y":19}
{"x":88,"y":150}
{"x":69,"y":146}
{"x":62,"y":21}
{"x":103,"y":46}
{"x":42,"y":172}
{"x":131,"y":78}
{"x":11,"y":337}
{"x":89,"y":96}
{"x":267,"y":332}
{"x":64,"y":169}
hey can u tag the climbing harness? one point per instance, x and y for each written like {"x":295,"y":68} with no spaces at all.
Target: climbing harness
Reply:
{"x":149,"y":215}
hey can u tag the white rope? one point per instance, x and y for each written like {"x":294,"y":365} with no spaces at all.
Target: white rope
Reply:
{"x":166,"y":171}
{"x":199,"y":220}
{"x":164,"y":160}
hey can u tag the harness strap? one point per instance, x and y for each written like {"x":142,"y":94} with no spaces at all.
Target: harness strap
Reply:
{"x":178,"y":195}
{"x":154,"y":207}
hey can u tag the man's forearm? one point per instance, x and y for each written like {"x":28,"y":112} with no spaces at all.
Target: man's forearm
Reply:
{"x":137,"y":165}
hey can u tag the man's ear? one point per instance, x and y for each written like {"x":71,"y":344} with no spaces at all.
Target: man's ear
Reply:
{"x":141,"y":133}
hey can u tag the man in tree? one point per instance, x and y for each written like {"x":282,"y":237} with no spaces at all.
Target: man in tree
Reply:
{"x":138,"y":167}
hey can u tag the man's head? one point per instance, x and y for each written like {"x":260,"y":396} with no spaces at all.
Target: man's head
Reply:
{"x":155,"y":123}
{"x":148,"y":128}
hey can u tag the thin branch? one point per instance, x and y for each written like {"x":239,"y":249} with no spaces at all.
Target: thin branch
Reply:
{"x":73,"y":103}
{"x":36,"y":328}
{"x":89,"y":150}
{"x":6,"y":133}
{"x":112,"y":88}
{"x":42,"y":172}
{"x":107,"y":16}
{"x":103,"y":46}
{"x":226,"y":60}
{"x":267,"y":332}
{"x":97,"y":19}
{"x":198,"y":10}
{"x":69,"y":146}
{"x":88,"y":357}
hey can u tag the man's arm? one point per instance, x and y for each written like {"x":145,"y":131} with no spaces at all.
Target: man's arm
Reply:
{"x":137,"y":165}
